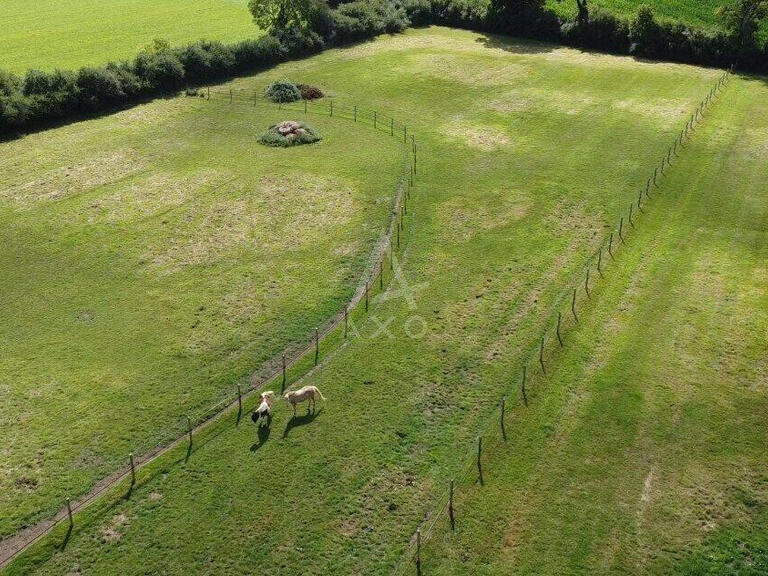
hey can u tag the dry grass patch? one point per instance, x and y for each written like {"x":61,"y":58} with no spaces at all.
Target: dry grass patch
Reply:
{"x":111,"y":532}
{"x":273,"y":217}
{"x":478,"y":137}
{"x":157,"y":193}
{"x":668,"y":111}
{"x":68,"y":181}
{"x":464,"y":70}
{"x":462,"y":219}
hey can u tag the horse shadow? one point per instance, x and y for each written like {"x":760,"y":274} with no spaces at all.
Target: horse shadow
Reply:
{"x":302,"y":420}
{"x":262,"y":432}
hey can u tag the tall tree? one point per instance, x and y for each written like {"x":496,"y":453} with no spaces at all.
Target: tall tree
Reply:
{"x":583,"y":11}
{"x":273,"y":15}
{"x":742,"y":19}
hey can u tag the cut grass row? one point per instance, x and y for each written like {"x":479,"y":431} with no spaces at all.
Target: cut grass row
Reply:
{"x":643,"y":451}
{"x":529,"y":153}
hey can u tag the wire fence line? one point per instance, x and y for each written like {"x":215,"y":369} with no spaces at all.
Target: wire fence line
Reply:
{"x":492,"y":426}
{"x":286,"y":369}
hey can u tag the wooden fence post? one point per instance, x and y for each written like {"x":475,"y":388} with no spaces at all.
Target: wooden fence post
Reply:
{"x":355,"y":112}
{"x":525,"y":396}
{"x":374,"y":119}
{"x":541,"y":355}
{"x":331,"y":108}
{"x":586,"y":284}
{"x":405,"y":134}
{"x":503,"y":407}
{"x":239,"y":401}
{"x":317,"y":346}
{"x":479,"y":456}
{"x":630,"y":216}
{"x":600,"y":261}
{"x":285,"y":375}
{"x":557,"y":330}
{"x":391,"y":126}
{"x":366,"y":295}
{"x":621,"y":227}
{"x":573,"y":306}
{"x":133,"y":470}
{"x":418,"y":551}
{"x":346,"y":324}
{"x":610,"y":245}
{"x":69,"y":513}
{"x":230,"y":95}
{"x":189,"y":432}
{"x":381,"y":274}
{"x":450,"y":508}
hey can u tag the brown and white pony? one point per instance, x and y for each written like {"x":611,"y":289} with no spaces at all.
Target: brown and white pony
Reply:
{"x":264,"y":411}
{"x":307,"y":393}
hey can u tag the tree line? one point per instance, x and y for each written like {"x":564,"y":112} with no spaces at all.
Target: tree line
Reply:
{"x":298,"y":27}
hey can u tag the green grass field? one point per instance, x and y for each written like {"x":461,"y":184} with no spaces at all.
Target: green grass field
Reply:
{"x":694,"y":12}
{"x":644,"y":449}
{"x":74,"y":33}
{"x":529,"y":153}
{"x":153,"y":259}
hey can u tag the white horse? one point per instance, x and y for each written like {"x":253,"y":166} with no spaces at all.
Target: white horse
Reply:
{"x":264,"y":410}
{"x":307,"y":393}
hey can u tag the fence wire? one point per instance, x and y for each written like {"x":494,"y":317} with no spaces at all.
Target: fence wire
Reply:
{"x":279,"y":368}
{"x":489,"y":427}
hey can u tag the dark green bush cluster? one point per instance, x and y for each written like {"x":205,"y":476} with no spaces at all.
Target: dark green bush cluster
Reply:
{"x":289,"y":133}
{"x":283,"y":91}
{"x":44,"y":96}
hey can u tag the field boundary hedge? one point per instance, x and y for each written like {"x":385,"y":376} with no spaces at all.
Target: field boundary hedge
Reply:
{"x":42,"y":99}
{"x":286,"y":369}
{"x":493,"y":428}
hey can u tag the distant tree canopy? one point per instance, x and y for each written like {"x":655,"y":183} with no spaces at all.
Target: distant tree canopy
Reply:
{"x":275,"y":15}
{"x":742,"y":20}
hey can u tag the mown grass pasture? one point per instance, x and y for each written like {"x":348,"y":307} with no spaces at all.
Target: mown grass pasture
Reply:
{"x":152,"y":260}
{"x":692,"y":12}
{"x":74,"y":33}
{"x":529,"y":153}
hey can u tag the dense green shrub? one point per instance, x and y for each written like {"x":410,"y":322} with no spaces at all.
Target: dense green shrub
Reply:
{"x":366,"y":18}
{"x":283,"y":91}
{"x":471,"y":14}
{"x":161,"y":71}
{"x":207,"y":60}
{"x":418,"y":12}
{"x":602,"y":30}
{"x":309,"y":92}
{"x":98,"y":87}
{"x":289,"y":133}
{"x":50,"y":94}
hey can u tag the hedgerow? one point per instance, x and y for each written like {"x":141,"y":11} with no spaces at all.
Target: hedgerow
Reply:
{"x":42,"y":97}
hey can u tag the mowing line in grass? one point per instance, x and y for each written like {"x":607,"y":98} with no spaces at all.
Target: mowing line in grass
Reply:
{"x":537,"y":354}
{"x":292,"y":371}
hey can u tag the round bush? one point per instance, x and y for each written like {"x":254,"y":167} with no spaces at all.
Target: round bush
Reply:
{"x":309,"y":92}
{"x":283,"y":91}
{"x":289,"y":133}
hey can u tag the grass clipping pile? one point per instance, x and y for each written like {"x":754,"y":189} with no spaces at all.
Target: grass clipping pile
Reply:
{"x":289,"y":133}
